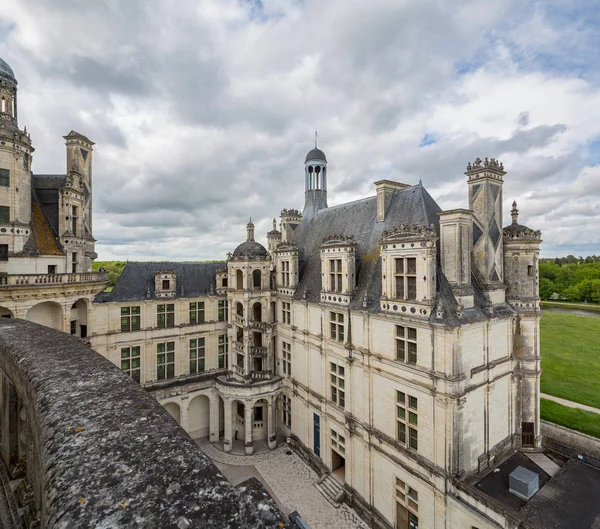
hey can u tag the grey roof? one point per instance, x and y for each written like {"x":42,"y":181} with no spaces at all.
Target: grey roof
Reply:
{"x":76,"y":135}
{"x":49,"y":181}
{"x":315,"y":154}
{"x":6,"y":69}
{"x":409,"y":206}
{"x":196,"y":279}
{"x":250,"y":249}
{"x":46,"y":188}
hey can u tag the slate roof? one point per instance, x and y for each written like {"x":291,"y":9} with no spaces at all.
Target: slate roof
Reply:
{"x":315,"y":154}
{"x":410,"y":206}
{"x":46,"y":187}
{"x":197,"y":279}
{"x":77,"y":135}
{"x":250,"y":249}
{"x":6,"y":69}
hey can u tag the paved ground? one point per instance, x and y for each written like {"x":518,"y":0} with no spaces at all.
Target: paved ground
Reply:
{"x":291,"y":483}
{"x":570,"y":403}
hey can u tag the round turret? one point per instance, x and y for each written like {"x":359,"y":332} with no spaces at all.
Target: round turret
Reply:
{"x":250,"y":249}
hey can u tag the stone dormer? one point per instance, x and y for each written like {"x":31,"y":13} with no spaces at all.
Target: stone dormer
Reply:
{"x":338,"y":269}
{"x":222,"y":279}
{"x":165,"y":284}
{"x":291,"y":219}
{"x":408,"y":268}
{"x":286,"y":268}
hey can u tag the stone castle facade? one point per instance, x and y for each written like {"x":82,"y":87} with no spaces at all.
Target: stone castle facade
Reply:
{"x":394,"y":344}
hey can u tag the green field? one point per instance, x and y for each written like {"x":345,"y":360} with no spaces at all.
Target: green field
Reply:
{"x":580,"y":420}
{"x":570,"y":347}
{"x":591,"y":307}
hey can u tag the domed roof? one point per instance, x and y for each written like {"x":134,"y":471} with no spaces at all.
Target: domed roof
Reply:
{"x":250,"y":249}
{"x":315,"y":154}
{"x":518,"y":231}
{"x":6,"y":69}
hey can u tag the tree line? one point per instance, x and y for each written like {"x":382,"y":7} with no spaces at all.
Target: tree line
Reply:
{"x":570,"y":279}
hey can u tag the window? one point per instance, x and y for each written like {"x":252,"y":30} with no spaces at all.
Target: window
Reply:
{"x":165,"y":316}
{"x":285,"y":273}
{"x":286,"y":313}
{"x":197,"y":355}
{"x":222,"y":310}
{"x":405,"y":276}
{"x":73,"y":326}
{"x":335,"y":275}
{"x":197,"y":312}
{"x":529,"y":270}
{"x":130,"y":362}
{"x":338,"y":386}
{"x":74,"y":262}
{"x":407,"y":420}
{"x":407,"y":500}
{"x":224,"y":282}
{"x":74,"y":216}
{"x":406,"y":344}
{"x":286,"y":349}
{"x":4,"y":177}
{"x":287,"y":411}
{"x":4,"y":214}
{"x":336,"y":322}
{"x":338,"y":442}
{"x":223,"y":350}
{"x":256,"y":279}
{"x":165,"y":360}
{"x":258,"y":413}
{"x":130,"y":319}
{"x":166,"y":284}
{"x":3,"y":252}
{"x":52,"y":269}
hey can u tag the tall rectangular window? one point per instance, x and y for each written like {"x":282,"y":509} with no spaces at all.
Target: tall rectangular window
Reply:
{"x":165,"y":316}
{"x":3,"y":252}
{"x":4,"y":177}
{"x":286,"y":312}
{"x":338,"y":384}
{"x":4,"y":215}
{"x":407,"y":500}
{"x":165,"y":360}
{"x":223,"y":352}
{"x":197,"y":312}
{"x":335,"y":275}
{"x":74,"y":217}
{"x":406,"y":344}
{"x":405,"y":278}
{"x":285,"y":273}
{"x":197,"y":356}
{"x":407,"y":420}
{"x":131,"y":362}
{"x":222,"y":311}
{"x":287,"y":411}
{"x":74,"y":262}
{"x":130,"y":319}
{"x":286,"y":352}
{"x":336,"y":325}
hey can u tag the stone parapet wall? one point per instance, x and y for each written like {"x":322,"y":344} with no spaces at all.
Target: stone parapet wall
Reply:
{"x":558,"y":437}
{"x":102,"y":452}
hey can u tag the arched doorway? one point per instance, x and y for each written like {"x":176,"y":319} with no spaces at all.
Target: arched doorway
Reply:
{"x":260,"y":420}
{"x":239,"y":280}
{"x":257,"y":311}
{"x":47,"y":313}
{"x":174,"y":411}
{"x":79,"y":311}
{"x":5,"y":313}
{"x":199,"y":416}
{"x":256,"y":279}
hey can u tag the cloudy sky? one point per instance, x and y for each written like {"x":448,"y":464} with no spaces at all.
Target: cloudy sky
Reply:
{"x":203,"y":110}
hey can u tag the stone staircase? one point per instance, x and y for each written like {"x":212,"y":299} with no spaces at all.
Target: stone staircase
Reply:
{"x":331,"y":488}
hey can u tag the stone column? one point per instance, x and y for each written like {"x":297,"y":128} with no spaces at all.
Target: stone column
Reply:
{"x":184,"y":414}
{"x":227,"y":445}
{"x":271,"y":423}
{"x":248,"y":410}
{"x":214,"y":419}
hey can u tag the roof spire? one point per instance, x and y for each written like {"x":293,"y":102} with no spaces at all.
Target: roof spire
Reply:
{"x":274,"y":224}
{"x":250,"y":230}
{"x":315,"y":139}
{"x":514,"y":213}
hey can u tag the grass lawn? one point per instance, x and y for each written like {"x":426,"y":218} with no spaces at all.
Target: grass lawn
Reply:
{"x":570,"y":346}
{"x":592,"y":307}
{"x":580,"y":420}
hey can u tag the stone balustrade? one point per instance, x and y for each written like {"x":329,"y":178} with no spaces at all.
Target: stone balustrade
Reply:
{"x":256,"y":350}
{"x":95,"y":450}
{"x":10,"y":280}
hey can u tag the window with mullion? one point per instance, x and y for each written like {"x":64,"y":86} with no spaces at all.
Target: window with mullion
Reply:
{"x":405,"y":278}
{"x":406,"y":344}
{"x":131,"y":362}
{"x":130,"y":319}
{"x":165,"y":360}
{"x":197,"y":355}
{"x":285,"y":271}
{"x":4,"y":177}
{"x":335,"y":275}
{"x":223,"y":352}
{"x":336,"y":323}
{"x":197,"y":312}
{"x":222,"y":312}
{"x":407,"y":420}
{"x":165,"y":316}
{"x":337,"y":384}
{"x":286,"y":352}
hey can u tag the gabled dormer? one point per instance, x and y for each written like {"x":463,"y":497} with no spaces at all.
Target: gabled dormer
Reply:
{"x":165,"y":284}
{"x":408,"y":268}
{"x":338,"y":269}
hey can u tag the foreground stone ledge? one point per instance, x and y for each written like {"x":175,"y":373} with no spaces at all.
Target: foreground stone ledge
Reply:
{"x":104,"y":452}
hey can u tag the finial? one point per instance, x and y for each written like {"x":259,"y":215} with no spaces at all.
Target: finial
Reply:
{"x":315,"y":139}
{"x":514,"y":213}
{"x":274,"y":224}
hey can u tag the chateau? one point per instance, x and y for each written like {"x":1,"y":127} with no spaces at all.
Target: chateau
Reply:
{"x":396,"y":345}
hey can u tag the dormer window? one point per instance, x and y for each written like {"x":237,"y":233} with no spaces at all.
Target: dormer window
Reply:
{"x":335,"y":275}
{"x":338,"y":269}
{"x":285,"y":273}
{"x":405,"y":278}
{"x":165,"y":284}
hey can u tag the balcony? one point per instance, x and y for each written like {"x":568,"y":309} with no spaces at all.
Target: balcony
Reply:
{"x":20,"y":280}
{"x":259,"y":325}
{"x":260,"y":375}
{"x":257,"y":350}
{"x":238,"y":319}
{"x":238,"y":347}
{"x":65,"y":443}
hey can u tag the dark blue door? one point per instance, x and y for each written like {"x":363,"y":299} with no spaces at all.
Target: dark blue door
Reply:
{"x":317,"y":435}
